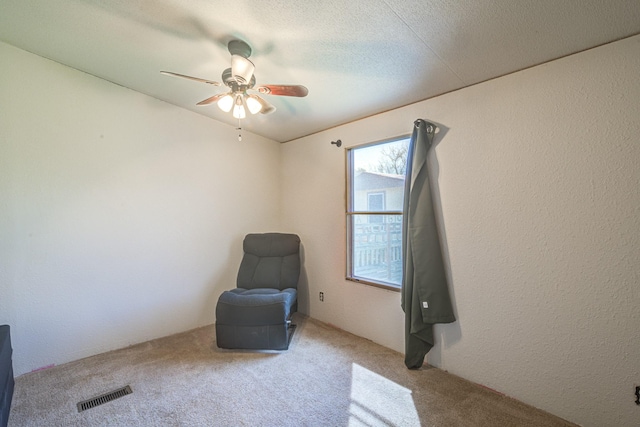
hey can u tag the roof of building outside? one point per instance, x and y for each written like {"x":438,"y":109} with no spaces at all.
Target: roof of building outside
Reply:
{"x":365,"y":180}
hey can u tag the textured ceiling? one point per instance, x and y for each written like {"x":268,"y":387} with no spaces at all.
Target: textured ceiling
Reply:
{"x":357,"y":57}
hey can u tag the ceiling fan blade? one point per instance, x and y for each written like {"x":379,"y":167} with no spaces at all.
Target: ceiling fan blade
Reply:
{"x":283,"y":90}
{"x":214,"y":98}
{"x":169,"y":73}
{"x":267,"y":108}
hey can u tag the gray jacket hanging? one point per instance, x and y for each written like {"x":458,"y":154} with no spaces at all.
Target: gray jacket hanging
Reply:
{"x":425,"y":293}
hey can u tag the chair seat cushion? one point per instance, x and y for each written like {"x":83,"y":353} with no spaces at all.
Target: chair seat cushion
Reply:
{"x":255,"y":307}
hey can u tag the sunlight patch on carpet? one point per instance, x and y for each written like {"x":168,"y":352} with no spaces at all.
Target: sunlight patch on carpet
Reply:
{"x":378,"y":401}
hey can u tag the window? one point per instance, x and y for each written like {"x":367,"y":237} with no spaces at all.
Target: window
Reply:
{"x":375,"y":194}
{"x":375,"y":202}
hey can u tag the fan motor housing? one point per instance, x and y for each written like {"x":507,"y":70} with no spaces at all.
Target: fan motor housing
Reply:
{"x":232,"y":82}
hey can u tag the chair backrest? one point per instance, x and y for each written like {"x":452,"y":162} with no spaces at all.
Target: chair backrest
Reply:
{"x":271,"y":260}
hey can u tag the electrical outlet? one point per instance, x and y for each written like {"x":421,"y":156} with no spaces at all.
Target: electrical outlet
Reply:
{"x":321,"y":296}
{"x":637,"y":395}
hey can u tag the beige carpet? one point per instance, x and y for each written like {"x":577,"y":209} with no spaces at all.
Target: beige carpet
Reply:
{"x":327,"y":378}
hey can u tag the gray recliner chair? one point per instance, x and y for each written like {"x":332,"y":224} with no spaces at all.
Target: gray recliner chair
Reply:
{"x":257,"y":314}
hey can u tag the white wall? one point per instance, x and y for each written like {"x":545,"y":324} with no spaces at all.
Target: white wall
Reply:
{"x":121,"y":216}
{"x":539,"y":179}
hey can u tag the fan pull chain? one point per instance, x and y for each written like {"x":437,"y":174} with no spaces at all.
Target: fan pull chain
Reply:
{"x":239,"y":129}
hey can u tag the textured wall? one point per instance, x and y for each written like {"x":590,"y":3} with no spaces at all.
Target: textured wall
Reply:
{"x":121,"y":217}
{"x":539,"y":177}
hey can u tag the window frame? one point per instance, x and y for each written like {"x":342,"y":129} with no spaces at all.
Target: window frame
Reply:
{"x":350,"y":214}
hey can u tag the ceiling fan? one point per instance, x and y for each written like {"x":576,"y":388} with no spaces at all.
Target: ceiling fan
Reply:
{"x":240,"y":78}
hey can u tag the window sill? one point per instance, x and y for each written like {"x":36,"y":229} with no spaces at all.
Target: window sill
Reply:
{"x":382,"y":285}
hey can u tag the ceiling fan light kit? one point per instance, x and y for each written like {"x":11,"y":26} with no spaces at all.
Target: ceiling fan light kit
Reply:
{"x":239,"y":79}
{"x":253,"y":104}
{"x":226,"y":103}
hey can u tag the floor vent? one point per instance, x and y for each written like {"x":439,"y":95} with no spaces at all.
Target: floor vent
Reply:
{"x":107,"y":397}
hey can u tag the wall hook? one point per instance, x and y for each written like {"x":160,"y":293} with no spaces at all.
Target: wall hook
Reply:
{"x":337,"y":143}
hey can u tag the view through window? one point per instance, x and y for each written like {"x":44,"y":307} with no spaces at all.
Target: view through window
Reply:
{"x":375,"y":182}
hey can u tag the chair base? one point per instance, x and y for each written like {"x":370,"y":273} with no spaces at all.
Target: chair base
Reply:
{"x":263,"y":337}
{"x":255,"y":319}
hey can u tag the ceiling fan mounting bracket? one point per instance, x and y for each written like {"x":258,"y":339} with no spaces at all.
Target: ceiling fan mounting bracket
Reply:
{"x":238,"y":47}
